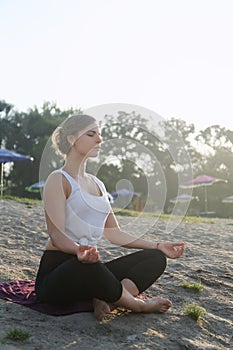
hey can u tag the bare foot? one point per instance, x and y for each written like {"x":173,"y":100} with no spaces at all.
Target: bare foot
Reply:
{"x":101,"y":309}
{"x":157,"y":304}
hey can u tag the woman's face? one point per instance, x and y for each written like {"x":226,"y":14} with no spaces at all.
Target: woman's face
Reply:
{"x":88,"y":141}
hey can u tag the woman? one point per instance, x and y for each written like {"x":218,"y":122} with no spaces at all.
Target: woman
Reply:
{"x":78,"y":213}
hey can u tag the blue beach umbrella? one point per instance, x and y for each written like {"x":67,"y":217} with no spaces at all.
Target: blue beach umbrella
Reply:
{"x":123,"y":192}
{"x":36,"y":187}
{"x":7,"y":156}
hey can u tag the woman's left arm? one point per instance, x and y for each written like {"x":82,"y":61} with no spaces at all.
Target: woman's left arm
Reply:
{"x":116,"y":236}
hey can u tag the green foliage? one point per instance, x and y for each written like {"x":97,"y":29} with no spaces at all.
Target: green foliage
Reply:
{"x":194,"y":311}
{"x":165,"y":217}
{"x":28,"y":133}
{"x":198,"y":219}
{"x":16,"y":334}
{"x":217,"y":161}
{"x":136,"y":139}
{"x":197,"y":287}
{"x":126,"y":212}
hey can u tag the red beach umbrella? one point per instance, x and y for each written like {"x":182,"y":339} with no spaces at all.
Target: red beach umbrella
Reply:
{"x":228,"y":199}
{"x":203,"y":181}
{"x":183,"y":198}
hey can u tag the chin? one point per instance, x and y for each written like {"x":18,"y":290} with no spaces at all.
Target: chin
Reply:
{"x":94,"y":153}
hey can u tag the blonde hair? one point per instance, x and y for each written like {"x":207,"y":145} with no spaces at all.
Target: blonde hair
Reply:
{"x":70,"y":126}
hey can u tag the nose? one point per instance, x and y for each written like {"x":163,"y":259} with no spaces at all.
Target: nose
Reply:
{"x":99,"y":138}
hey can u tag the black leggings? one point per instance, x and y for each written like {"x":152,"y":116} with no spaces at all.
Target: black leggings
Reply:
{"x":62,"y":279}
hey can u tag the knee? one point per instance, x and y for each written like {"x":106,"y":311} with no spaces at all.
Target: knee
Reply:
{"x":110,"y":291}
{"x":106,"y":286}
{"x":160,"y":258}
{"x":163,"y":259}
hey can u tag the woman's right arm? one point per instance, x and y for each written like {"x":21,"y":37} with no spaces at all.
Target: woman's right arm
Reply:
{"x":57,"y":189}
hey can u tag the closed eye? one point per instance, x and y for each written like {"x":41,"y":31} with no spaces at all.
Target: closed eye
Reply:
{"x":92,"y":133}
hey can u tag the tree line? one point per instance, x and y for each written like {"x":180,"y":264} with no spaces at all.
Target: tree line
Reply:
{"x":155,"y":159}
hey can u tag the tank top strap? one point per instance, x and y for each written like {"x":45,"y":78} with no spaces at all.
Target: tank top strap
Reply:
{"x":99,"y":183}
{"x":69,"y":178}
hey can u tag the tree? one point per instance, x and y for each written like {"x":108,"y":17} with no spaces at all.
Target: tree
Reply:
{"x":28,"y":133}
{"x":217,"y":145}
{"x":156,"y":156}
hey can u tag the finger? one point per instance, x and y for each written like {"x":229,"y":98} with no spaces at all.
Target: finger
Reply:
{"x":93,"y":255}
{"x":179,"y":248}
{"x":182,"y":249}
{"x":179,"y":244}
{"x":93,"y":259}
{"x":180,"y":252}
{"x":91,"y":249}
{"x":82,"y":248}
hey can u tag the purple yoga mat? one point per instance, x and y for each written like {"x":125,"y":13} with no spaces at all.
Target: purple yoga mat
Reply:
{"x":23,"y":292}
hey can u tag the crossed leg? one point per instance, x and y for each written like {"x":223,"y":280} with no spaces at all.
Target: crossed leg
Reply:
{"x":136,"y":272}
{"x":130,"y":301}
{"x":117,"y":282}
{"x":102,"y":308}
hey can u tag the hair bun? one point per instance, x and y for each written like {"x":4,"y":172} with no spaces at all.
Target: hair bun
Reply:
{"x":70,"y":126}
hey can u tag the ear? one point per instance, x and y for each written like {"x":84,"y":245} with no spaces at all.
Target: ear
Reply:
{"x":71,"y":139}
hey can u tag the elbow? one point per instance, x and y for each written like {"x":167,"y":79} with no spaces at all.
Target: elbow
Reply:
{"x":53,"y":234}
{"x":111,"y":233}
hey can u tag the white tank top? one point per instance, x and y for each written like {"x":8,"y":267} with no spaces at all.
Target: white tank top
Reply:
{"x":85,"y":213}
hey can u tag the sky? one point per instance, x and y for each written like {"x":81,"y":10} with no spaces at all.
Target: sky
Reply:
{"x":174,"y":57}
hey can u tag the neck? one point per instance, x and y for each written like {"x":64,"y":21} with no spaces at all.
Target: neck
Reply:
{"x":75,"y":167}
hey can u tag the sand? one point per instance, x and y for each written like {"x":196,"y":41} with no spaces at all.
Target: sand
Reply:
{"x":208,"y":259}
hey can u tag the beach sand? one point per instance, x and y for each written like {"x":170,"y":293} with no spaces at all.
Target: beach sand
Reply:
{"x":208,"y":259}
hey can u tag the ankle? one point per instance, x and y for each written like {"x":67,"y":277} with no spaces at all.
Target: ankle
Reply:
{"x":140,"y":305}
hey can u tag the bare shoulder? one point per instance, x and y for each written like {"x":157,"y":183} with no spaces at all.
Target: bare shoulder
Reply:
{"x":56,"y":181}
{"x":54,"y":176}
